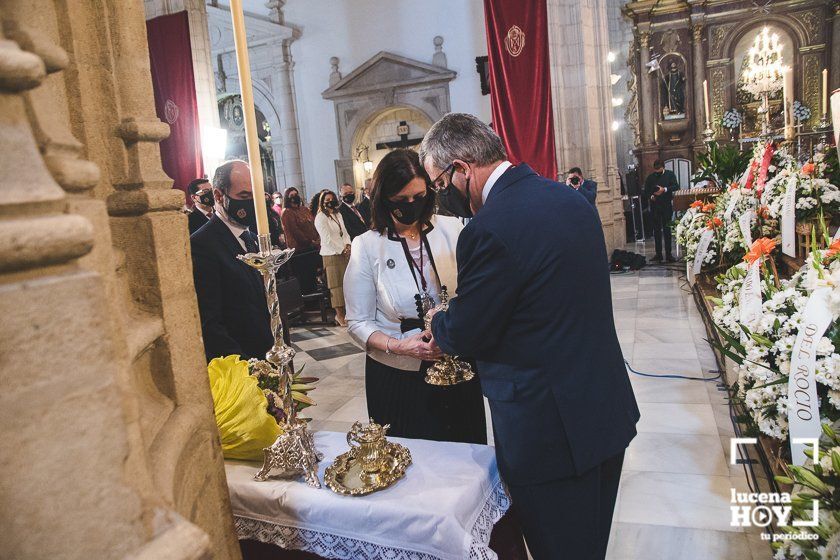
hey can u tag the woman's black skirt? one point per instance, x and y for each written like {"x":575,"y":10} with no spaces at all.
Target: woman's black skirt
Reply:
{"x":417,"y":410}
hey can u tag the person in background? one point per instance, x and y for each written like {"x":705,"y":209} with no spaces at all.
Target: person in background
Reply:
{"x":201,"y":194}
{"x":277,"y":199}
{"x":364,"y":204}
{"x":352,"y":217}
{"x":275,"y":228}
{"x":301,"y":235}
{"x":659,"y":188}
{"x":335,"y":249}
{"x":587,"y":187}
{"x":231,"y":297}
{"x":410,"y":251}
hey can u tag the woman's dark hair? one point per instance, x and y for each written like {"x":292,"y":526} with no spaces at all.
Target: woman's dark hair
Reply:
{"x":397,"y":169}
{"x":313,"y":202}
{"x":287,"y":195}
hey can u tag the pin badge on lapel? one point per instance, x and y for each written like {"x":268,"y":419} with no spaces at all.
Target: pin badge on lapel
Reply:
{"x":390,"y":263}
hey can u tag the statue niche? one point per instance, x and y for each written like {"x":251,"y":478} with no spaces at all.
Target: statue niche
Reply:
{"x":672,"y":90}
{"x":670,"y":70}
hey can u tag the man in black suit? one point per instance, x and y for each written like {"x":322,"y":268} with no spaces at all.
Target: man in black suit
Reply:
{"x":533,"y":307}
{"x":202,"y":196}
{"x":659,"y":188}
{"x":353,"y":220}
{"x":364,"y":205}
{"x":231,"y":297}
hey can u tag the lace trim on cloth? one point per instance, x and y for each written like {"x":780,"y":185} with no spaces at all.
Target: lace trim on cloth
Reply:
{"x":345,"y":548}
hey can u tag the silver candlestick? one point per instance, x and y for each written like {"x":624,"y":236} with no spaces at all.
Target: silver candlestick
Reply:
{"x":294,"y":450}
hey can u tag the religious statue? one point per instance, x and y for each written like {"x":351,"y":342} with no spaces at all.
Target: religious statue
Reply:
{"x":672,"y":88}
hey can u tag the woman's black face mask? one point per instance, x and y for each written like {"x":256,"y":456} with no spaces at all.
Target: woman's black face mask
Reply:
{"x":407,"y":212}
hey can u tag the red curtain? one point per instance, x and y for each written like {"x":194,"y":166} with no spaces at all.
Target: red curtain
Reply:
{"x":172,"y":78}
{"x":520,"y":82}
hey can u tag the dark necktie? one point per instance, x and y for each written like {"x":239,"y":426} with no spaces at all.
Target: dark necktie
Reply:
{"x":250,"y":242}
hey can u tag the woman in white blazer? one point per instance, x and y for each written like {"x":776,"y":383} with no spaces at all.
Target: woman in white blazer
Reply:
{"x":335,"y":249}
{"x":407,"y":255}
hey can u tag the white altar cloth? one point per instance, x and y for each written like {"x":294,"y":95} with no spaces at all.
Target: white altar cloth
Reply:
{"x":443,"y":509}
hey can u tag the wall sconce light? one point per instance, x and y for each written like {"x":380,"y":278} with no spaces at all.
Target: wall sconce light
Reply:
{"x":368,"y":165}
{"x":611,"y":57}
{"x":617,"y":101}
{"x":616,"y":125}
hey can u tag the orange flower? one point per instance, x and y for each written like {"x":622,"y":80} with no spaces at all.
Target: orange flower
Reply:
{"x":760,"y":248}
{"x":808,"y":168}
{"x":833,"y":249}
{"x":697,"y":204}
{"x":708,"y":207}
{"x":733,"y":186}
{"x":714,"y":223}
{"x":763,"y":212}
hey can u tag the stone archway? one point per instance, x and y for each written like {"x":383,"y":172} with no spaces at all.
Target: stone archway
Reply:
{"x":386,"y":82}
{"x":378,"y":134}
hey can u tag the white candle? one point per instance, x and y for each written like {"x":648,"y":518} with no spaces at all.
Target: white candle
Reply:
{"x":825,"y":91}
{"x":706,"y":100}
{"x":251,"y":140}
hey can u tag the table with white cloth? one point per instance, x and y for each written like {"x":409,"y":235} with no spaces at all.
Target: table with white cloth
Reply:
{"x":445,"y":507}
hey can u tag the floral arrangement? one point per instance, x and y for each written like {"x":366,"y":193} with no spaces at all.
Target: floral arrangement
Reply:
{"x":819,"y":480}
{"x":689,"y":229}
{"x":762,"y":351}
{"x":248,"y":404}
{"x":732,"y":118}
{"x":271,"y":384}
{"x":801,"y":112}
{"x":815,"y":194}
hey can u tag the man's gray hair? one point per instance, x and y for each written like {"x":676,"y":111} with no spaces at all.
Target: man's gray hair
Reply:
{"x":461,"y":136}
{"x":221,"y":177}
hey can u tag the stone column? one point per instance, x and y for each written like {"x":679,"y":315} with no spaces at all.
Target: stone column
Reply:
{"x":646,"y":96}
{"x":582,"y":103}
{"x":834,"y":78}
{"x":107,"y":403}
{"x":287,"y":139}
{"x":205,"y":83}
{"x":698,"y":65}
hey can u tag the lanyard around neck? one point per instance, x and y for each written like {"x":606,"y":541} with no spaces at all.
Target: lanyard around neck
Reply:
{"x":413,"y":266}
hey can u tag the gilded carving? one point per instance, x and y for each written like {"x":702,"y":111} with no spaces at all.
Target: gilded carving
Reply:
{"x":718,"y":77}
{"x":644,"y":39}
{"x":812,"y":21}
{"x":631,"y":113}
{"x":717,"y":35}
{"x":670,"y":40}
{"x":811,"y":82}
{"x":697,"y":32}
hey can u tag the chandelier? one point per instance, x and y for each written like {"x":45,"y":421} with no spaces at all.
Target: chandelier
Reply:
{"x":764,"y":73}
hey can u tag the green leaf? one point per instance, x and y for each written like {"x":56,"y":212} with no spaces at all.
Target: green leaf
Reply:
{"x":783,"y":479}
{"x":835,"y":462}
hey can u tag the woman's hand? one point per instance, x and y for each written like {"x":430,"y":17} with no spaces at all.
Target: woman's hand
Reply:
{"x":417,"y":347}
{"x":347,"y":250}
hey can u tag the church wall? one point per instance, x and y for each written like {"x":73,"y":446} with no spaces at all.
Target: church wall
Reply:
{"x":354,"y":32}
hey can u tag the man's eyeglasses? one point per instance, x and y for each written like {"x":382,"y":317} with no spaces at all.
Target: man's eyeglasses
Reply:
{"x":440,"y":184}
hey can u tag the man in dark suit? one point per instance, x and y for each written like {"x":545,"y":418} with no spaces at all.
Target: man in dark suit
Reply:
{"x":202,"y":197}
{"x":353,"y":220}
{"x":587,"y":187}
{"x":533,"y":307}
{"x":364,"y":205}
{"x":231,"y":297}
{"x":659,"y":188}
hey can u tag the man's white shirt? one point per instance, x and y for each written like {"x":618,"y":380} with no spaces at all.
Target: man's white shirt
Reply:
{"x":491,"y":180}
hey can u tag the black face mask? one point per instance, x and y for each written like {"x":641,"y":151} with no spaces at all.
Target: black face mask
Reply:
{"x":349,"y":198}
{"x":241,"y":212}
{"x":333,"y":204}
{"x":407,"y":212}
{"x":295,"y":199}
{"x":454,"y":202}
{"x":575,"y":180}
{"x":207,"y":199}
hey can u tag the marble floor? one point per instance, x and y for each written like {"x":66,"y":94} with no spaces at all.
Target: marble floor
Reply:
{"x":673,"y":500}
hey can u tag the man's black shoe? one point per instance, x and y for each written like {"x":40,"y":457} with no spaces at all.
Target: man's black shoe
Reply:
{"x":670,"y":258}
{"x":656,"y":258}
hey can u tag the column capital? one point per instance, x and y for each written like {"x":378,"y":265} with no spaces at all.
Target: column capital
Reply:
{"x":697,"y":29}
{"x":644,"y":39}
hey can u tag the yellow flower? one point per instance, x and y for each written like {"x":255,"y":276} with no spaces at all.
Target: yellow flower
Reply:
{"x":245,"y":427}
